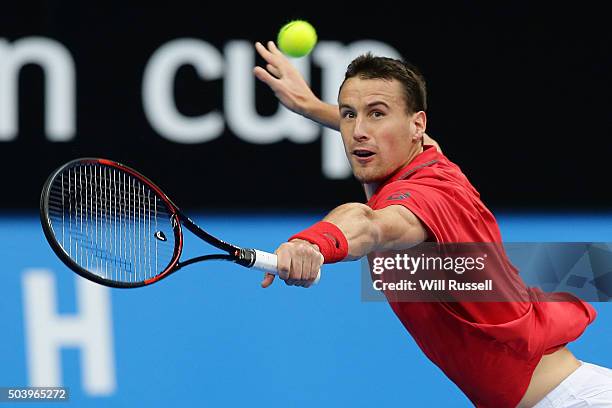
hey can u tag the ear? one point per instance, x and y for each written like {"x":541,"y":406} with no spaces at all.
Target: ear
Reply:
{"x":419,"y":121}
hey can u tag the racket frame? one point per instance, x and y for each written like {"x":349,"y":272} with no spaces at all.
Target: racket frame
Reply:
{"x":242,"y":256}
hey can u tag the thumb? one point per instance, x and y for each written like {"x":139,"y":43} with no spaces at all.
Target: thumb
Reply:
{"x":267,"y":280}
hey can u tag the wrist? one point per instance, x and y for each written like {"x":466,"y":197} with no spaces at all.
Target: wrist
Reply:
{"x":323,"y":113}
{"x":311,"y":107}
{"x":328,"y":238}
{"x":315,"y":246}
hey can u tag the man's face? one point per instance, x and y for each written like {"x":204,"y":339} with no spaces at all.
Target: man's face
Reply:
{"x":379,"y":135}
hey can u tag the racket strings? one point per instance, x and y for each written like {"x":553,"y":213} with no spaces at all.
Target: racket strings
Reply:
{"x":111,"y":223}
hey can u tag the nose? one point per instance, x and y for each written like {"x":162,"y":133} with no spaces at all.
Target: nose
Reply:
{"x":361,"y":130}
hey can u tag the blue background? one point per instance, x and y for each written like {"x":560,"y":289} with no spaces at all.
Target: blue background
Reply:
{"x":210,"y":336}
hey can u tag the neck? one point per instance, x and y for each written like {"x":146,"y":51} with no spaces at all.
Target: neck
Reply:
{"x":370,"y":188}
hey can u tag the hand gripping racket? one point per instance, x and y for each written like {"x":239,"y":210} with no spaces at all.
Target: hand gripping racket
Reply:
{"x":112,"y":225}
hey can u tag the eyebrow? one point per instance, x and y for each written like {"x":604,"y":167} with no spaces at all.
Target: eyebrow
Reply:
{"x":372,"y":104}
{"x":369,"y":105}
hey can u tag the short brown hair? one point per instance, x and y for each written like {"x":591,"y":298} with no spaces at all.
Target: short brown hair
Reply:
{"x":368,"y":66}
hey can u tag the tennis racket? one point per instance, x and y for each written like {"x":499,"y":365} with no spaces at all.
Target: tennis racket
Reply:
{"x":112,"y":225}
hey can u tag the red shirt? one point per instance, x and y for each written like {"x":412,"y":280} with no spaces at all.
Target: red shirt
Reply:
{"x":488,"y":349}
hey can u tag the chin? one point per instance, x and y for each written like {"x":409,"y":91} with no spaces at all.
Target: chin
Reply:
{"x":373,"y":174}
{"x":369,"y":177}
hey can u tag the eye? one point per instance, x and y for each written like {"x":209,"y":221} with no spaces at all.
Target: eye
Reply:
{"x":377,"y":114}
{"x":348,"y":114}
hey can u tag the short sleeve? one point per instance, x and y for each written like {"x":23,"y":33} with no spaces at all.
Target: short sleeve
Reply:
{"x":434,"y":206}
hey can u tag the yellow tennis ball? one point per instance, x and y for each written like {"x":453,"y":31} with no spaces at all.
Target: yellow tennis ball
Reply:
{"x":297,"y":38}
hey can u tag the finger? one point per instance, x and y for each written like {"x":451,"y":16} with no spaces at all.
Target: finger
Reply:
{"x":267,"y":280}
{"x":274,"y":49}
{"x":308,"y":278}
{"x":295,"y":271}
{"x":317,"y":262}
{"x":261,"y":50}
{"x":312,"y":272}
{"x":264,"y":76}
{"x":273,"y":70}
{"x":306,"y":265}
{"x":270,"y":57}
{"x":297,"y":265}
{"x":297,"y":282}
{"x":283,"y":265}
{"x":307,"y":272}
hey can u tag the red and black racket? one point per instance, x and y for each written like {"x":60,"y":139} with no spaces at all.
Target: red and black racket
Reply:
{"x":112,"y":225}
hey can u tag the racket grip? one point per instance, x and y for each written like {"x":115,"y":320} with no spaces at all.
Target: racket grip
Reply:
{"x":266,"y":261}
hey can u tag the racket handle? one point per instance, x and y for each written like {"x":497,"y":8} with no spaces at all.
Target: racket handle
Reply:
{"x":266,"y":261}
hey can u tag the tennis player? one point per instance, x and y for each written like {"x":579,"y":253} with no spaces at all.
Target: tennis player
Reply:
{"x":503,"y":354}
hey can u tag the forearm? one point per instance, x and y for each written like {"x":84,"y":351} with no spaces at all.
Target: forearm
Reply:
{"x":353,"y":230}
{"x":357,"y":223}
{"x":323,"y":113}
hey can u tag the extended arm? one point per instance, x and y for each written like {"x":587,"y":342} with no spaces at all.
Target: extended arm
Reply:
{"x":365,"y":230}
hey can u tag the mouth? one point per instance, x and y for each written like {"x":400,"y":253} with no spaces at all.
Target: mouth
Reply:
{"x":363,"y":155}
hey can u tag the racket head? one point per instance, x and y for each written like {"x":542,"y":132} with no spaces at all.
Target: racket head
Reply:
{"x":110,"y":224}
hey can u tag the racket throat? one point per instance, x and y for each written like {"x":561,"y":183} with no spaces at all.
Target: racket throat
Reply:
{"x":245,"y":257}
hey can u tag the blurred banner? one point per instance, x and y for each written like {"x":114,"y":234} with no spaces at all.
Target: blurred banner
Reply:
{"x":518,"y":99}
